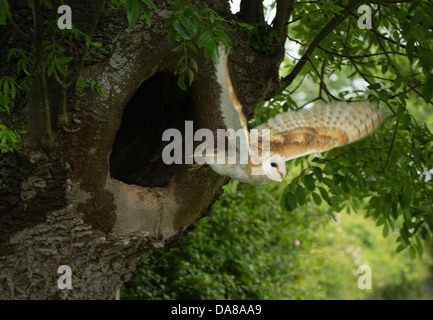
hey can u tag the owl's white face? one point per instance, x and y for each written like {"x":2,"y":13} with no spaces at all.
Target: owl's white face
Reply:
{"x":275,"y":167}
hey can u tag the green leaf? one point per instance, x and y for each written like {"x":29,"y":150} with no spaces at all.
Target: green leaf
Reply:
{"x":330,"y":213}
{"x":181,"y":30}
{"x":209,"y":49}
{"x":335,"y":202}
{"x":9,"y":139}
{"x":151,"y":5}
{"x":13,"y":90}
{"x":180,"y":63}
{"x":190,"y":76}
{"x":181,"y":82}
{"x":174,"y":8}
{"x":300,"y":195}
{"x":328,"y":170}
{"x":132,"y":9}
{"x":309,"y":182}
{"x":291,"y":201}
{"x":182,"y":3}
{"x":215,"y":55}
{"x":6,"y":88}
{"x":50,"y":69}
{"x":96,"y":45}
{"x":318,"y":173}
{"x":398,"y":81}
{"x":193,"y":12}
{"x":64,"y":60}
{"x":171,"y":20}
{"x":400,"y":248}
{"x":410,"y":49}
{"x":385,"y":230}
{"x":193,"y":64}
{"x":425,"y":58}
{"x":61,"y":69}
{"x":404,"y":233}
{"x":317,"y":199}
{"x":146,"y":14}
{"x":48,"y":4}
{"x":189,"y":26}
{"x":171,"y":36}
{"x":324,"y":194}
{"x":205,"y":36}
{"x":394,"y":210}
{"x":412,"y":252}
{"x":374,"y":86}
{"x":212,"y":17}
{"x":380,"y":221}
{"x":283,"y":201}
{"x":419,"y":247}
{"x":192,"y":46}
{"x":179,"y":48}
{"x":428,"y":88}
{"x":4,"y":12}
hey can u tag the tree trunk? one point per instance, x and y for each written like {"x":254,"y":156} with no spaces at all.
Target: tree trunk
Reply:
{"x":101,"y":200}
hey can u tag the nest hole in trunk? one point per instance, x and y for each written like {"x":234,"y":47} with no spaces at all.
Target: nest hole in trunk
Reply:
{"x":136,"y":156}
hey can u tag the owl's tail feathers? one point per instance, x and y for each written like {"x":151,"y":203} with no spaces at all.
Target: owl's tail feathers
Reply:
{"x":353,"y":120}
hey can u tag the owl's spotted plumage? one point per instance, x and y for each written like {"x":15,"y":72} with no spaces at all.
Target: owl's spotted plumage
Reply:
{"x":293,"y":134}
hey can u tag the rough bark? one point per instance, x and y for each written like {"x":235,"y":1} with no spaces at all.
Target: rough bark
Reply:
{"x":101,"y":200}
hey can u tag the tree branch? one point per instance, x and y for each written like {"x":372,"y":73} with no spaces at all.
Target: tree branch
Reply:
{"x":251,"y":11}
{"x":322,"y":84}
{"x":327,"y":29}
{"x":280,"y":23}
{"x":47,"y":139}
{"x":73,"y":81}
{"x":391,"y":146}
{"x":359,"y":56}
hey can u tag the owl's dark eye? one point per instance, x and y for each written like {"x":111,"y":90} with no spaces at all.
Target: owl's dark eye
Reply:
{"x":273,"y":164}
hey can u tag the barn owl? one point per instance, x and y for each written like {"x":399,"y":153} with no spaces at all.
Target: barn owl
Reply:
{"x":293,"y":134}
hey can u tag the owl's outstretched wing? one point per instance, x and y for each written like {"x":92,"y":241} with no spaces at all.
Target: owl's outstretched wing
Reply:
{"x":230,"y":107}
{"x":295,"y":134}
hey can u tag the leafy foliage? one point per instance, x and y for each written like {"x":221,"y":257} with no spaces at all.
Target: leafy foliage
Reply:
{"x":188,"y":22}
{"x":185,"y":24}
{"x":133,"y":9}
{"x":252,"y":254}
{"x":9,"y":139}
{"x":93,"y":85}
{"x":260,"y":251}
{"x":44,"y":59}
{"x":387,"y":174}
